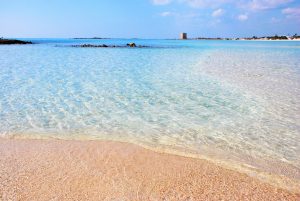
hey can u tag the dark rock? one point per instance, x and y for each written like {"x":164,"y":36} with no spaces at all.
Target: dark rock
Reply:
{"x":131,"y":44}
{"x":13,"y":41}
{"x":110,"y":46}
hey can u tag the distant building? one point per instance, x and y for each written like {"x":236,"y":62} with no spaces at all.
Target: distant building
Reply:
{"x":183,"y":36}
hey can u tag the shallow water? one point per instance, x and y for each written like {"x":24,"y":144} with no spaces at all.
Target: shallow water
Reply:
{"x":237,"y":100}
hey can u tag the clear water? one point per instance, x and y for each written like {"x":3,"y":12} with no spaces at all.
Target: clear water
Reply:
{"x":233,"y":99}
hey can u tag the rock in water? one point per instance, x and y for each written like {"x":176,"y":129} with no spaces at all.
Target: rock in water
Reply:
{"x":131,"y":44}
{"x":13,"y":42}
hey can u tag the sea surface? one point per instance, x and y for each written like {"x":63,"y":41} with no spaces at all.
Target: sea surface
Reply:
{"x":233,"y":100}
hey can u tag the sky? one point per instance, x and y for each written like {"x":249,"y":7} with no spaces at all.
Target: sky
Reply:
{"x":148,"y":18}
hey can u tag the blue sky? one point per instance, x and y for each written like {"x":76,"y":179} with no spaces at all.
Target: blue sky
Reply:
{"x":148,"y":18}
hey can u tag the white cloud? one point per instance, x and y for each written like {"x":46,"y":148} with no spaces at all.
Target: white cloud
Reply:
{"x":187,"y":15}
{"x":217,"y":13}
{"x":253,"y":5}
{"x":161,"y":2}
{"x":292,"y":12}
{"x":243,"y":17}
{"x":166,"y":14}
{"x":266,"y":4}
{"x":204,"y":3}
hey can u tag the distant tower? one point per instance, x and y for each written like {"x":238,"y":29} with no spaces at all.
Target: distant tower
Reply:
{"x":183,"y":36}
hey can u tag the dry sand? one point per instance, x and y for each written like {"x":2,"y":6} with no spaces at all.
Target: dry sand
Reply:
{"x":103,"y":170}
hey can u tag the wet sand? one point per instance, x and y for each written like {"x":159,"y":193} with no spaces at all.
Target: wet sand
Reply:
{"x":103,"y":170}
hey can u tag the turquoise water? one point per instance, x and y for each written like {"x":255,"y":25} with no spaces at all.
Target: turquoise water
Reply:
{"x":237,"y":100}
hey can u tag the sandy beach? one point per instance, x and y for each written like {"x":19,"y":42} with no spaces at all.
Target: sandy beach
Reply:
{"x":104,"y":170}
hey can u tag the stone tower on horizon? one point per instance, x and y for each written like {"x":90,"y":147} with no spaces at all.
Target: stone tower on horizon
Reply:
{"x":183,"y":36}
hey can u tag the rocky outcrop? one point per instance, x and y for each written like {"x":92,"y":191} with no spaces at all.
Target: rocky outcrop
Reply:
{"x":90,"y":45}
{"x":131,"y":45}
{"x":13,"y":41}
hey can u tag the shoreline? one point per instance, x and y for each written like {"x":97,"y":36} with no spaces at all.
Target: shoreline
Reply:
{"x":136,"y":172}
{"x":277,"y":174}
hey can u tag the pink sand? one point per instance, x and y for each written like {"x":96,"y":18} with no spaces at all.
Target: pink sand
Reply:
{"x":98,"y":170}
